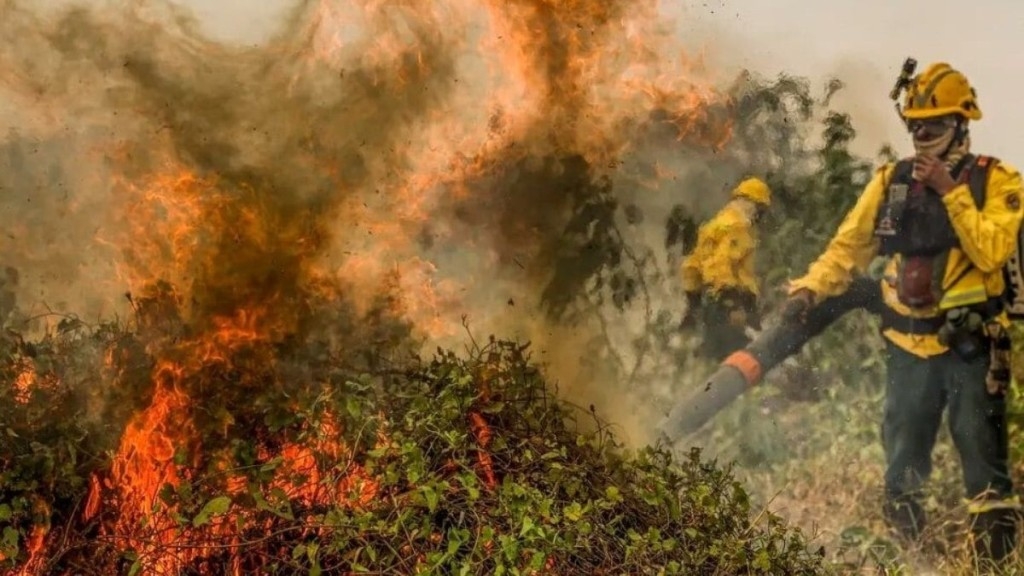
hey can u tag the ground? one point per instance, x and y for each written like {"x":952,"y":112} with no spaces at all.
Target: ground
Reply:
{"x":816,"y":459}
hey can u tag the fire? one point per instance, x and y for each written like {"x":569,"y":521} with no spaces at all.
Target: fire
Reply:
{"x":161,"y":453}
{"x":28,"y":379}
{"x":35,"y":546}
{"x":242,"y":226}
{"x":192,"y":231}
{"x":24,"y":382}
{"x":145,"y":465}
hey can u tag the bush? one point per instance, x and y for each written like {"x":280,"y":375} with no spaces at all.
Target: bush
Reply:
{"x":455,"y":465}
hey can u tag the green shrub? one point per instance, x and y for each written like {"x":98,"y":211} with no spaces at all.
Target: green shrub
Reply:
{"x":563,"y":500}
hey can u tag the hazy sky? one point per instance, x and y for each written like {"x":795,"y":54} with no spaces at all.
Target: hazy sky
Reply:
{"x":863,"y":40}
{"x":867,"y":40}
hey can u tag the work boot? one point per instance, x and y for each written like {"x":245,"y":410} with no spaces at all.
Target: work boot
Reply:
{"x":906,"y":517}
{"x":995,"y":534}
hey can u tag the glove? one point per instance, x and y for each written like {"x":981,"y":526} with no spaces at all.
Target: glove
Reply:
{"x":796,"y":306}
{"x":748,"y":305}
{"x":738,"y":317}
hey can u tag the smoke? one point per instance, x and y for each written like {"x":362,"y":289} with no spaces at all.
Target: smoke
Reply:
{"x":866,"y":99}
{"x":427,"y":157}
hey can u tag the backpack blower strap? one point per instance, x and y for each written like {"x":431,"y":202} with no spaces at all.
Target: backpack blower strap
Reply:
{"x":977,"y":172}
{"x":1013,"y":271}
{"x":1013,"y":275}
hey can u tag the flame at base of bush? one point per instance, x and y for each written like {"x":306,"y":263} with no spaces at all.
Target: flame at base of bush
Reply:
{"x":462,"y":465}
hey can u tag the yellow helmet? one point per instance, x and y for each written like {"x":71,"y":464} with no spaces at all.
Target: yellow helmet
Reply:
{"x":938,"y":91}
{"x":755,"y":190}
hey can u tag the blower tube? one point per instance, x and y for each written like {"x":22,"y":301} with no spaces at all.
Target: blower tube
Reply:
{"x":744,"y":368}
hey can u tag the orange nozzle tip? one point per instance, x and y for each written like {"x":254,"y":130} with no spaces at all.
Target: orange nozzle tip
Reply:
{"x":747,"y":364}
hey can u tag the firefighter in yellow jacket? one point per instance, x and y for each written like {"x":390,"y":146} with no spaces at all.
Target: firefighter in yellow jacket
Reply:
{"x":937,"y":230}
{"x":719,"y":277}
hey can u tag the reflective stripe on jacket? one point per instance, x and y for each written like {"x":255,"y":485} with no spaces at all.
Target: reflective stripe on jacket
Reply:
{"x":988,"y":237}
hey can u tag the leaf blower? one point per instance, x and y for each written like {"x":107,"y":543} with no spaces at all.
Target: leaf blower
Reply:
{"x":745,"y":368}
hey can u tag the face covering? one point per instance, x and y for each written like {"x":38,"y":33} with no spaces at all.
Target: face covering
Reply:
{"x":932,"y":136}
{"x":936,"y":137}
{"x":934,"y":146}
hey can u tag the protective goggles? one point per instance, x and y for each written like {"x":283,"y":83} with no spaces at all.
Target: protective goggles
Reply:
{"x":931,"y":127}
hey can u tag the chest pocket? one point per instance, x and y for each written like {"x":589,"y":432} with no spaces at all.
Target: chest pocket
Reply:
{"x":919,"y":280}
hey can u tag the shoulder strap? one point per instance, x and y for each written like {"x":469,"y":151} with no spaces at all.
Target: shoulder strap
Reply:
{"x":900,"y":173}
{"x":977,"y":178}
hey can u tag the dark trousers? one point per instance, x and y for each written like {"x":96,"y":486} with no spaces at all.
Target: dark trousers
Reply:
{"x":720,"y":336}
{"x":917,"y":392}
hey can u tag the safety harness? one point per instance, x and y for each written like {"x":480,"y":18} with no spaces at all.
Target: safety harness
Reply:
{"x":913,"y":222}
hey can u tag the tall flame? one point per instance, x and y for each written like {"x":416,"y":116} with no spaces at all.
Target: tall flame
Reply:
{"x":373,"y":158}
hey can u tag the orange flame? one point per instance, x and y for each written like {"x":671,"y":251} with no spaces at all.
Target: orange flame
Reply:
{"x":219,"y":273}
{"x":24,"y":382}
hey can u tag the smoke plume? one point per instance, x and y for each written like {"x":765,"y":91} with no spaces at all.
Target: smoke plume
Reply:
{"x":428,"y":159}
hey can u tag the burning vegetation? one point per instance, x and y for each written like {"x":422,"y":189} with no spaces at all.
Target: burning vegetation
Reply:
{"x":452,"y":466}
{"x":270,"y":237}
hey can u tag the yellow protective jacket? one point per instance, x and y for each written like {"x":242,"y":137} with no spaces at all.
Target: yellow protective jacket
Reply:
{"x":988,"y":238}
{"x":723,"y":258}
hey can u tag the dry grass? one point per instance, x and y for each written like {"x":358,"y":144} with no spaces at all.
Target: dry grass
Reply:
{"x":820,"y":465}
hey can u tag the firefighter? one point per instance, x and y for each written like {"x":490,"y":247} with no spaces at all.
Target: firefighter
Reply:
{"x":718,"y":276}
{"x":939,"y":227}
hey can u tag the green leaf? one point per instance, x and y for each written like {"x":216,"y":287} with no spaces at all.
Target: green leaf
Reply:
{"x":493,"y":408}
{"x":9,"y":542}
{"x":5,"y":512}
{"x":762,"y":561}
{"x":214,"y":507}
{"x":612,"y":494}
{"x":430,"y":496}
{"x":272,"y":464}
{"x":528,"y":525}
{"x":573,"y":512}
{"x":353,"y":406}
